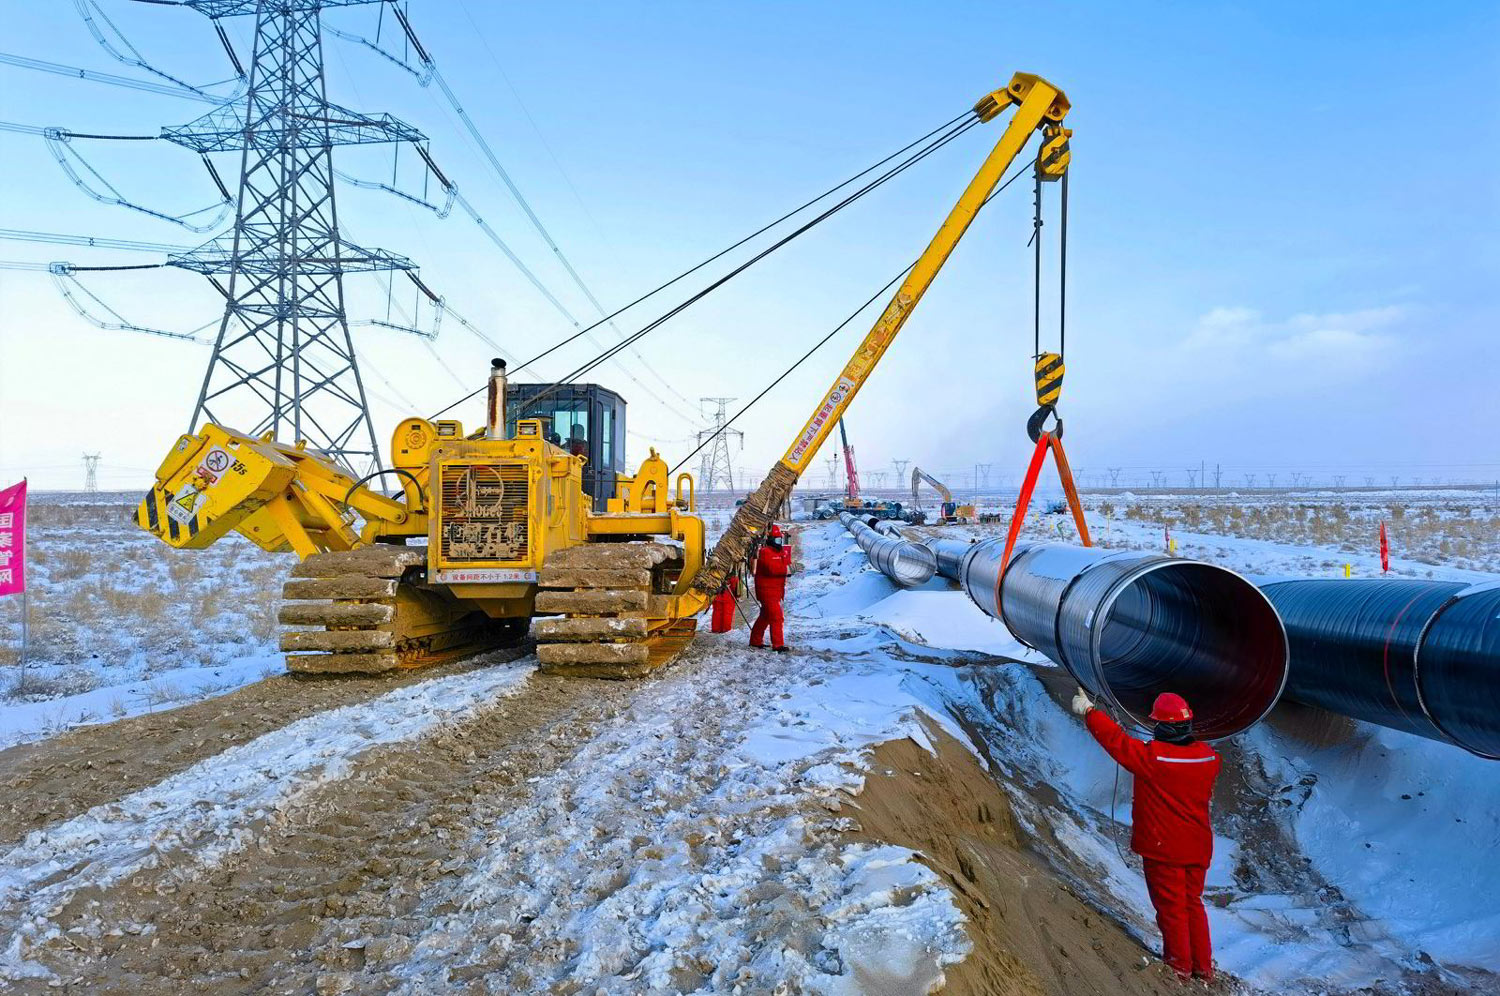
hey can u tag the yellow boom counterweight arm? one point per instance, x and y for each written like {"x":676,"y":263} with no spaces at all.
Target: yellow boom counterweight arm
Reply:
{"x":1038,"y":104}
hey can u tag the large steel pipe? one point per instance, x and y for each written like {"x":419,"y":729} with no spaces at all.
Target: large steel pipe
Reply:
{"x":1130,"y":625}
{"x":907,"y":564}
{"x":1419,"y":656}
{"x":951,"y":555}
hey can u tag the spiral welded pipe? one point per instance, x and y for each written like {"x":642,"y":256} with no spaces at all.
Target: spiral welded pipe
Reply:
{"x":1130,"y":625}
{"x":1418,"y":656}
{"x":951,"y":555}
{"x":905,"y":563}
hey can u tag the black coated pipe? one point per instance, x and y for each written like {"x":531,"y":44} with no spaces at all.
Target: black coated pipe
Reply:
{"x":1418,"y":656}
{"x":1130,"y":625}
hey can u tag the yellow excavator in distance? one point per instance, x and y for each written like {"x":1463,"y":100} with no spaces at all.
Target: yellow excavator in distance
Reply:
{"x":949,"y":511}
{"x":510,"y":533}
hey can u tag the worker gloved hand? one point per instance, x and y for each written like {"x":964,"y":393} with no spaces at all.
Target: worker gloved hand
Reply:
{"x":1082,"y":703}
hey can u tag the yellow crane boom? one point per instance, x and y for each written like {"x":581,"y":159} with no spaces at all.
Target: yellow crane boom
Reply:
{"x":1038,"y":106}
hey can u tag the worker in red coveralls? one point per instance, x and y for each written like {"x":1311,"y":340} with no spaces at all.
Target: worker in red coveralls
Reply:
{"x":1174,"y":778}
{"x":772,"y":566}
{"x":722,"y":620}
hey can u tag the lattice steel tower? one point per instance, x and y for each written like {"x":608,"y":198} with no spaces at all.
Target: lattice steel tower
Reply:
{"x":91,"y":472}
{"x":284,"y":361}
{"x":715,"y":469}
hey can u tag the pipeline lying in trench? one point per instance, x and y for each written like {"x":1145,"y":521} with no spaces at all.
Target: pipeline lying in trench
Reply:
{"x":951,"y":555}
{"x":906,"y":563}
{"x":1418,"y":656}
{"x":1128,"y":625}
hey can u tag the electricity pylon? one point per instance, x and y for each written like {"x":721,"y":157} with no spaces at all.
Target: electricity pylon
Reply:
{"x":900,"y":470}
{"x":90,"y":472}
{"x":284,"y":361}
{"x":715,"y":469}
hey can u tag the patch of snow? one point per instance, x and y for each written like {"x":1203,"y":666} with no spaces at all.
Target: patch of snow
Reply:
{"x":1407,"y":828}
{"x":24,"y":722}
{"x":946,"y":618}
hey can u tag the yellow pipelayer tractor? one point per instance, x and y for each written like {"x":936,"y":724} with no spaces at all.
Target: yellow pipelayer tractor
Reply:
{"x":510,"y":534}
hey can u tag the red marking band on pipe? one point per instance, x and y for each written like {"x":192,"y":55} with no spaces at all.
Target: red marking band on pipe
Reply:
{"x":1385,"y":654}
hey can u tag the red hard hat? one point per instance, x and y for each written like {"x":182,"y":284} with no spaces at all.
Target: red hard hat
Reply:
{"x":1170,"y":707}
{"x":775,"y":530}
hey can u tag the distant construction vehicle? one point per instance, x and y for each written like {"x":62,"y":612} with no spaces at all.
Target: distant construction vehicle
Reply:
{"x":949,"y":511}
{"x":494,"y":528}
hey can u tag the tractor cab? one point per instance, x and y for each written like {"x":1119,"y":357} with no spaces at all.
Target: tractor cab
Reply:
{"x":584,"y":419}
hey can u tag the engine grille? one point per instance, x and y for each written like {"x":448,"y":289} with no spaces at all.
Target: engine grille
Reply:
{"x":483,"y":512}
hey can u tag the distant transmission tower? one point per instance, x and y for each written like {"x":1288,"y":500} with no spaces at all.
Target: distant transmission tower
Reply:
{"x":90,"y":472}
{"x":284,"y":361}
{"x":716,"y":471}
{"x":900,"y":470}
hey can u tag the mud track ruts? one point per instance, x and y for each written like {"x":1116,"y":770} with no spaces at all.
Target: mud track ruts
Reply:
{"x":355,"y":858}
{"x":59,"y":778}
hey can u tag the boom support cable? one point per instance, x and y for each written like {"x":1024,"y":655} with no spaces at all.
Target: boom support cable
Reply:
{"x":823,"y":341}
{"x":817,"y":220}
{"x":720,"y":254}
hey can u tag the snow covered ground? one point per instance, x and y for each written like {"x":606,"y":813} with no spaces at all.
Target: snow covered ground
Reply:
{"x":691,"y":842}
{"x":1383,"y":821}
{"x":692,"y":846}
{"x":123,"y":624}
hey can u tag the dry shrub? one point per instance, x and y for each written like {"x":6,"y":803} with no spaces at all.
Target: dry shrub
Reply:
{"x":30,"y":684}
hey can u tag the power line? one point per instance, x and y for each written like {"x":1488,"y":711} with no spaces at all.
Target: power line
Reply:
{"x":93,"y":76}
{"x":434,"y":74}
{"x":87,"y":9}
{"x":92,"y":241}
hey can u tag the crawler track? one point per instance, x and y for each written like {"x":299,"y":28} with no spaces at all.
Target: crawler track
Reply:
{"x":377,"y":615}
{"x":611,"y":603}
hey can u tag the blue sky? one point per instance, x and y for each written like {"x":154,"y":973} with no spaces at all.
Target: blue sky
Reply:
{"x":1282,"y":258}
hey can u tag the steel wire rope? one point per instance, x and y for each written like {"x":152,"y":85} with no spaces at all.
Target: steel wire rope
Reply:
{"x":821,"y":342}
{"x":824,"y":216}
{"x":819,"y":219}
{"x":721,"y":253}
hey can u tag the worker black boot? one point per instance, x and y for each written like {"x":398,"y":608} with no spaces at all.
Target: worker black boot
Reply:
{"x":782,"y":650}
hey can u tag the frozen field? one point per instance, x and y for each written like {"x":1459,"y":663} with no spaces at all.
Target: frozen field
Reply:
{"x":696,"y":832}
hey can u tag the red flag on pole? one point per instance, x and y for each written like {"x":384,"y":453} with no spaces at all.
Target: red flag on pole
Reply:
{"x":13,"y":539}
{"x":1385,"y":550}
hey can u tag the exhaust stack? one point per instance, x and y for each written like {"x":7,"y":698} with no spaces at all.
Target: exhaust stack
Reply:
{"x":1130,"y":625}
{"x":494,"y":426}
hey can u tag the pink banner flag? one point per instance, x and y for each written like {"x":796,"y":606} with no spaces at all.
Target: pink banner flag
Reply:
{"x":13,"y":539}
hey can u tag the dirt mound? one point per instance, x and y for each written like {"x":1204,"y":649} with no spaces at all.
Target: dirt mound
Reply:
{"x":1031,"y":935}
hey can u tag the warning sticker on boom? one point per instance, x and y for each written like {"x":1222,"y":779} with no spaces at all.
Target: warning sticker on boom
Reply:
{"x":185,"y":504}
{"x":841,"y":390}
